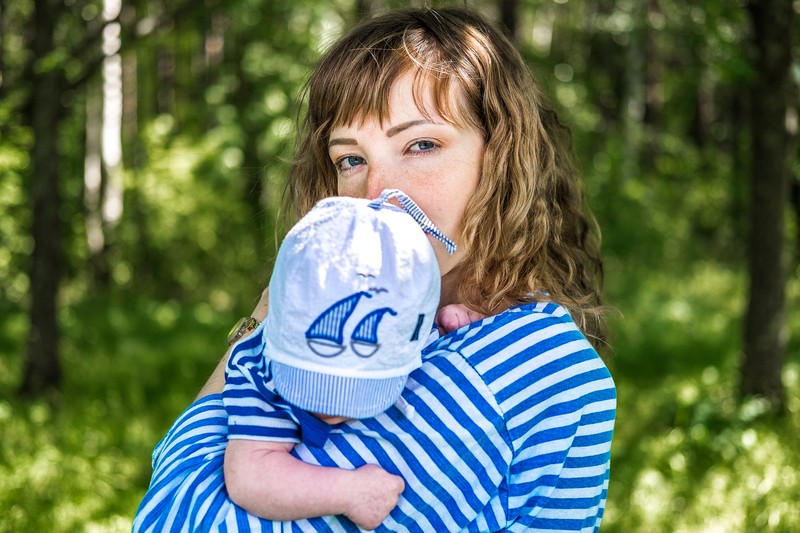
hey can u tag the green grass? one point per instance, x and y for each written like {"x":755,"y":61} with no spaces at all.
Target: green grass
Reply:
{"x":687,"y":457}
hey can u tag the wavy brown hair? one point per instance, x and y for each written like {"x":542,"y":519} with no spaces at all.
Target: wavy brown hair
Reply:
{"x":527,"y":230}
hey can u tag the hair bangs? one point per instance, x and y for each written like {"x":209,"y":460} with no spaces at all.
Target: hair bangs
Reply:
{"x":365,"y":87}
{"x":436,"y":68}
{"x":358,"y":86}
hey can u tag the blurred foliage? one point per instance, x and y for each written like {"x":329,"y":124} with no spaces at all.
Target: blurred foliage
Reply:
{"x":660,"y":132}
{"x":79,"y":461}
{"x":687,"y":455}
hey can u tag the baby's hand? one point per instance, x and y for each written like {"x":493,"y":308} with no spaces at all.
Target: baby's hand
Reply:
{"x":374,"y":494}
{"x":451,"y":317}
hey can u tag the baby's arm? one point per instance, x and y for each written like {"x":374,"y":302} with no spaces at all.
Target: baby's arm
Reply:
{"x":451,"y":317}
{"x":267,"y":481}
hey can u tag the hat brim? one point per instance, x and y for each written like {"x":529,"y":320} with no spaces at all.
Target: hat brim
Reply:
{"x":332,"y":395}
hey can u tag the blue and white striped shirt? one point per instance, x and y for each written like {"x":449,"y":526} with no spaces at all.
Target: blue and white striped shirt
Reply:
{"x":506,"y":427}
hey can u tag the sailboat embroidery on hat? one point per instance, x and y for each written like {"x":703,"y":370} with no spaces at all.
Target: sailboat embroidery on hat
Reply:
{"x":364,"y":341}
{"x":325,"y":336}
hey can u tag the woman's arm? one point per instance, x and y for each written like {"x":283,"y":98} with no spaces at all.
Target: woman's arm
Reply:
{"x":264,"y":479}
{"x":216,"y":382}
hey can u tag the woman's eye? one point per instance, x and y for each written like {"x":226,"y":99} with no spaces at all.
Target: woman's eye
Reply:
{"x":423,"y":146}
{"x":349,"y":162}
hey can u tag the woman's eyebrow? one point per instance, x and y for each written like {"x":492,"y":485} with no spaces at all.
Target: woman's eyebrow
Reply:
{"x":334,"y":142}
{"x":394,"y":130}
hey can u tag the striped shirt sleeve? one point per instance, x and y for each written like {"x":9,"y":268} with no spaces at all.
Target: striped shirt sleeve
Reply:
{"x":559,"y":403}
{"x":187,"y":463}
{"x":255,"y":411}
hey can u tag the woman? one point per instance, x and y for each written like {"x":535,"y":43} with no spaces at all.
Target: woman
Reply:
{"x":508,"y":423}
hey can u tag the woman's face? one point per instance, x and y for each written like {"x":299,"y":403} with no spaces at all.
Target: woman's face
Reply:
{"x":435,"y":163}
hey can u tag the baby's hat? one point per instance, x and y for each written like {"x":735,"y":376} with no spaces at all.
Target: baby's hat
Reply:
{"x":351,"y":303}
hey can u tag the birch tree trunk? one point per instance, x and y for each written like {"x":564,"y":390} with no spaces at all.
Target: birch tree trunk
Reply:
{"x":93,"y":182}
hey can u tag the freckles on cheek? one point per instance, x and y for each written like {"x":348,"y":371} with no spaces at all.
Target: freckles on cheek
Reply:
{"x":429,"y":198}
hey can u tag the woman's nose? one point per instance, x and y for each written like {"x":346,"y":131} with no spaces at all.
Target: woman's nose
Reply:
{"x":378,"y":179}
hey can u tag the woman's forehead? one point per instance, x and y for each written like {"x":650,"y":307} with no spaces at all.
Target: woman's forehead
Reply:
{"x":412,"y":93}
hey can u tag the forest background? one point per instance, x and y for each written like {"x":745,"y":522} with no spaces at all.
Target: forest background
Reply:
{"x":143,"y":148}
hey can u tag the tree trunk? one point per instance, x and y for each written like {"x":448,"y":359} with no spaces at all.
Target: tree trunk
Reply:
{"x":2,"y":48}
{"x":508,"y":16}
{"x":93,"y":184}
{"x":653,"y":99}
{"x":165,"y":71}
{"x":42,"y":368}
{"x":764,"y":332}
{"x":795,"y":201}
{"x":634,"y":107}
{"x":111,"y":145}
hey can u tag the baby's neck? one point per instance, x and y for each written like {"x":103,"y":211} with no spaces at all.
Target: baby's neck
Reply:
{"x":330,"y":419}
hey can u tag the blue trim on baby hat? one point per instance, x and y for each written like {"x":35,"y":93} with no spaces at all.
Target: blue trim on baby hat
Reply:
{"x":410,"y":207}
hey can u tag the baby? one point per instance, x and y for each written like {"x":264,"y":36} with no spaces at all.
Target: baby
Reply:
{"x":352,"y":302}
